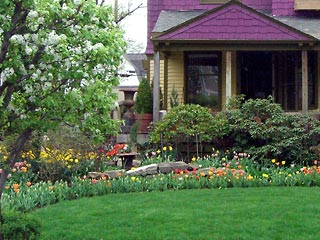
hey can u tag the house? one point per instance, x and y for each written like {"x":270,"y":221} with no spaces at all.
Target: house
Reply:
{"x":210,"y":50}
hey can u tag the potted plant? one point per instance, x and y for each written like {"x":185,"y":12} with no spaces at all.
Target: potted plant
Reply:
{"x":143,"y":106}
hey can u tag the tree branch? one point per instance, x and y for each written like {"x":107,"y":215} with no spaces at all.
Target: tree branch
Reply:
{"x":128,"y":13}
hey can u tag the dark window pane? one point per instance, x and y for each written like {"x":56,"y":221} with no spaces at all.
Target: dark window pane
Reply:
{"x":203,"y":78}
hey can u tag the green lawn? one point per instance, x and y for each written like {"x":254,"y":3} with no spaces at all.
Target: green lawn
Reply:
{"x":237,"y":213}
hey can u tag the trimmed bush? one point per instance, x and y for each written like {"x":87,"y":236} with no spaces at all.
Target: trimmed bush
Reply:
{"x":17,"y":225}
{"x":185,"y":120}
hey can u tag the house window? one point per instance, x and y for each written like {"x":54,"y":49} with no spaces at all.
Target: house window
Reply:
{"x":203,"y":78}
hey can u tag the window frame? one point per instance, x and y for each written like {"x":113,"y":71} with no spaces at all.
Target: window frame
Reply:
{"x":218,"y":54}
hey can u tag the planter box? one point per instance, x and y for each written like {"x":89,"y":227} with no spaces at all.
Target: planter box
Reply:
{"x":143,"y":121}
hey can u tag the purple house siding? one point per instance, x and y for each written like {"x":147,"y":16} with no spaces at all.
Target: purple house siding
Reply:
{"x":156,"y":6}
{"x":283,"y":7}
{"x":274,"y":7}
{"x":263,"y":5}
{"x":233,"y":23}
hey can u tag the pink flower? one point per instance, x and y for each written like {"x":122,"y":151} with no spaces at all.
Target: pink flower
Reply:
{"x":94,"y":181}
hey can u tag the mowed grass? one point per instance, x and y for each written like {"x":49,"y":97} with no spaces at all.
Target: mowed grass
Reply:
{"x":236,"y":213}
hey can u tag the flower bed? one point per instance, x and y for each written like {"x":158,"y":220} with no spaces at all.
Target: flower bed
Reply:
{"x":25,"y":192}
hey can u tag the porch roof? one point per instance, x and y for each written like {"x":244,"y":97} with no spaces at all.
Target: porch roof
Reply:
{"x":310,"y":26}
{"x":237,"y":22}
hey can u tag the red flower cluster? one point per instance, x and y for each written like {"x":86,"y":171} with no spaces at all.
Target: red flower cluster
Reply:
{"x":115,"y":150}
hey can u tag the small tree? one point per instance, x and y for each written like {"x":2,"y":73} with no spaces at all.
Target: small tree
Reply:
{"x":58,"y":63}
{"x":144,"y":102}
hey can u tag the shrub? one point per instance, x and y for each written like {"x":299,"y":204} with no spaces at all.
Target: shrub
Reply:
{"x":144,"y":100}
{"x":19,"y":226}
{"x":185,"y":120}
{"x":262,"y":128}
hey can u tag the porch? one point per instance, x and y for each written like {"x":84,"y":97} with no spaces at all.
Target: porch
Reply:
{"x":291,"y":77}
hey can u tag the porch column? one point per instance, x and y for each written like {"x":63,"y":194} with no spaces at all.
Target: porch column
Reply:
{"x":156,"y":87}
{"x":304,"y":67}
{"x":228,"y":76}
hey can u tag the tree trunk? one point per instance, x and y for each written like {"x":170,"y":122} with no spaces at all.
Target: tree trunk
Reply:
{"x":9,"y":164}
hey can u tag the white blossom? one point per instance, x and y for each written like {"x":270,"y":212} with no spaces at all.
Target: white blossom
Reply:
{"x":28,"y":51}
{"x":77,"y":2}
{"x":33,"y":14}
{"x":41,"y":20}
{"x":52,"y":39}
{"x":28,"y":89}
{"x":97,"y":46}
{"x":6,"y":73}
{"x":18,"y":39}
{"x":47,"y":86}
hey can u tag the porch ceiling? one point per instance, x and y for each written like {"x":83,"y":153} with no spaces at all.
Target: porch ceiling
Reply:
{"x":233,"y":22}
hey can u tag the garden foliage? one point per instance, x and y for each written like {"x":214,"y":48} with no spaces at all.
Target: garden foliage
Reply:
{"x":144,"y":99}
{"x":20,"y":226}
{"x":59,"y":62}
{"x":257,"y":126}
{"x":185,"y":120}
{"x":262,"y":128}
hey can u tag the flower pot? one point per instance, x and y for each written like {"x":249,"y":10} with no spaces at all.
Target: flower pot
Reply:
{"x":143,"y":121}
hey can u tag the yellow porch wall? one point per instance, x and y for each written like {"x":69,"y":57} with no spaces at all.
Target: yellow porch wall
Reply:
{"x":151,"y":74}
{"x":176,"y":76}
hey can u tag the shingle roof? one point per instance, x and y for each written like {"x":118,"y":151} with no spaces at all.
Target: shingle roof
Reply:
{"x":310,"y":26}
{"x":171,"y":19}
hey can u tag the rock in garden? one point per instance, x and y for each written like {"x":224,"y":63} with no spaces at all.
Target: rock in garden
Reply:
{"x":151,"y":169}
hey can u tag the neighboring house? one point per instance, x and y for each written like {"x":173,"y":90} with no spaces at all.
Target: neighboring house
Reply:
{"x":210,"y":50}
{"x":131,"y":73}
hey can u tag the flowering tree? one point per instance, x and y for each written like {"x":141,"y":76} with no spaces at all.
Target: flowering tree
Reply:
{"x":58,"y":62}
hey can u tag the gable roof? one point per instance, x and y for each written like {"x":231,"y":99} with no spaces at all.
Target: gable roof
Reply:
{"x":233,"y":21}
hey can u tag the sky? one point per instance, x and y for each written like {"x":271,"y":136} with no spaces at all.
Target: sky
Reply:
{"x":135,"y":25}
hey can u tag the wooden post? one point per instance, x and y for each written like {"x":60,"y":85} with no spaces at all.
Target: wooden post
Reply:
{"x":274,"y":76}
{"x":156,"y":87}
{"x":304,"y":67}
{"x":165,"y":84}
{"x":228,"y":76}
